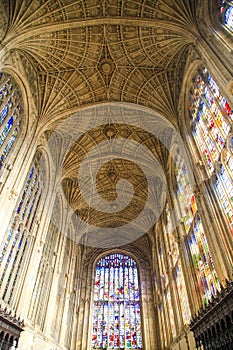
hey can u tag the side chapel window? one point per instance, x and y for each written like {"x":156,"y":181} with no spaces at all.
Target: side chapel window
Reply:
{"x":117,"y":311}
{"x":211,"y":123}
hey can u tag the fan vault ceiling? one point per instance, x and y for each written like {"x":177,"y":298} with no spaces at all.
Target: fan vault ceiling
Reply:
{"x":81,"y":53}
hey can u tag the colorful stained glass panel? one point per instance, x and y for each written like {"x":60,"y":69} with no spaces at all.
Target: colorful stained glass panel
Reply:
{"x":116,"y":311}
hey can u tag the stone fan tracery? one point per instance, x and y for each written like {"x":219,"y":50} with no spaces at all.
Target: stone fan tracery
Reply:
{"x":146,"y":41}
{"x":80,"y":53}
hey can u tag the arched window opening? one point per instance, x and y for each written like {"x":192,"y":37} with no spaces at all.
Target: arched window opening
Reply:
{"x":195,"y":236}
{"x":17,"y":244}
{"x":117,"y":311}
{"x":211,"y":120}
{"x":11,"y":115}
{"x":225,"y":12}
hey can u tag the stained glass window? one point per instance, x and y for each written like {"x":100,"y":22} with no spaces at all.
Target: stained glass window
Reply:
{"x":212,"y":119}
{"x":15,"y":245}
{"x":225,"y":12}
{"x":10,"y":115}
{"x":117,"y":311}
{"x":197,"y":242}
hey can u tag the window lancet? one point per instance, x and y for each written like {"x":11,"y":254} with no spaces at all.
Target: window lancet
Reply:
{"x":10,"y":115}
{"x":116,"y":312}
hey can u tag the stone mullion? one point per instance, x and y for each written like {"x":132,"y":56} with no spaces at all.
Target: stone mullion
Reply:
{"x":163,"y":334}
{"x":51,"y":306}
{"x":34,"y":189}
{"x":82,"y":307}
{"x":197,"y":297}
{"x":68,"y":293}
{"x":22,"y":268}
{"x":180,"y":320}
{"x":30,"y":314}
{"x":74,"y":330}
{"x":60,"y":307}
{"x":166,"y":317}
{"x":60,"y":313}
{"x":23,"y":271}
{"x":36,"y":257}
{"x":10,"y":265}
{"x":8,"y":249}
{"x":44,"y":301}
{"x":69,"y":321}
{"x":157,"y":295}
{"x":169,"y":270}
{"x":77,"y":283}
{"x":189,"y":272}
{"x":87,"y":311}
{"x":66,"y":277}
{"x":163,"y":289}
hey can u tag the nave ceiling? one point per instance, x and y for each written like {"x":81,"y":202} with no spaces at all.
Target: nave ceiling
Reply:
{"x":82,"y":53}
